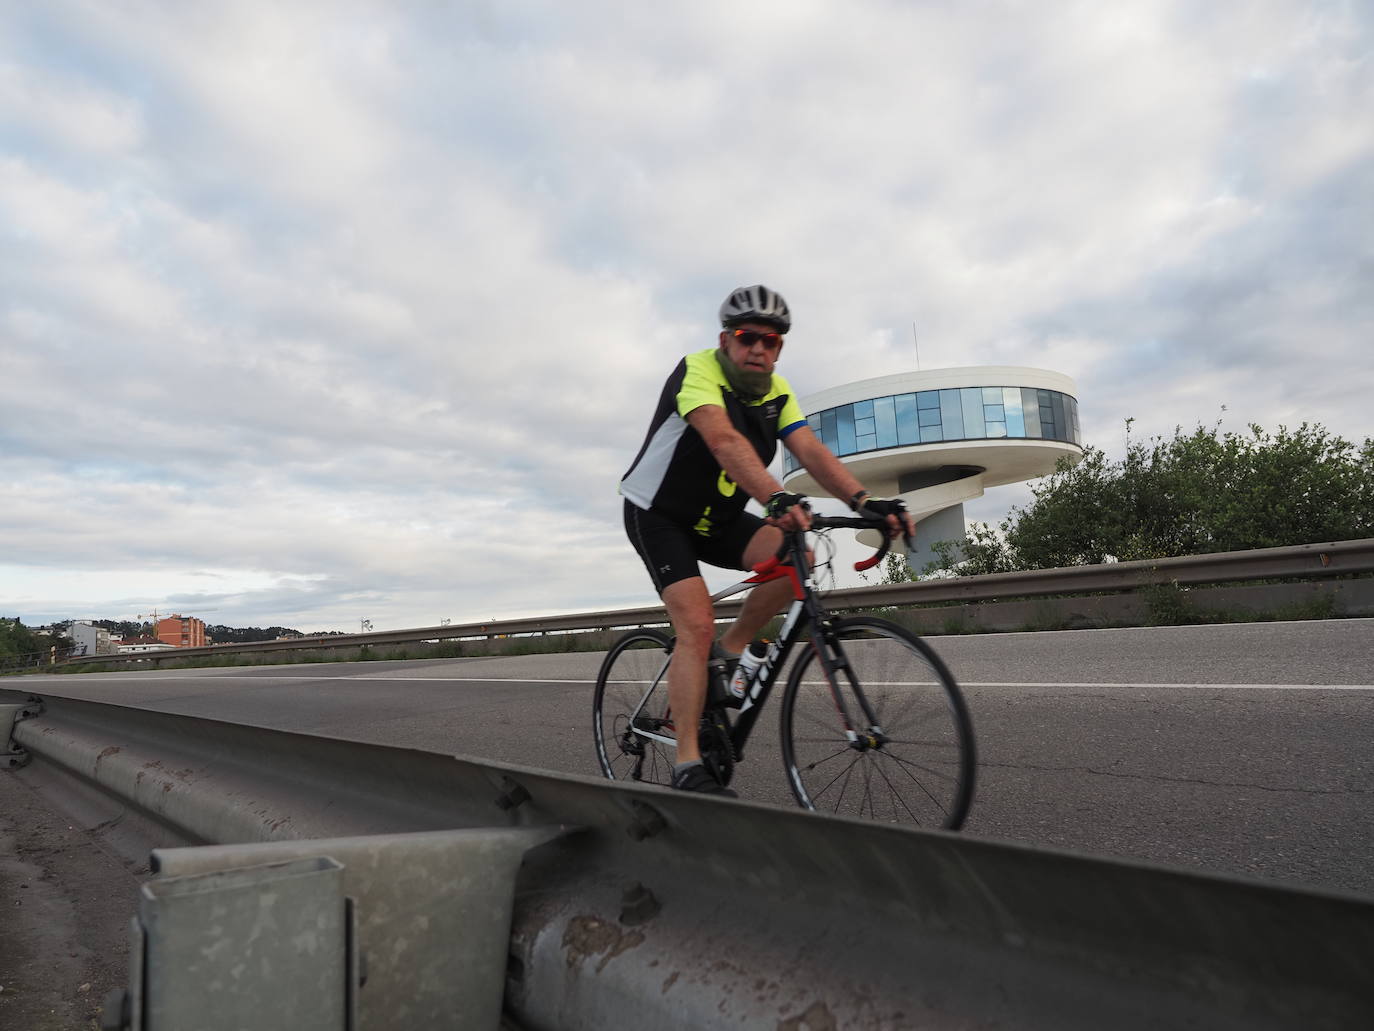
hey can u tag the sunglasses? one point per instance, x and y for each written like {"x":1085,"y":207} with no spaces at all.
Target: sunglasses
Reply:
{"x":748,"y":337}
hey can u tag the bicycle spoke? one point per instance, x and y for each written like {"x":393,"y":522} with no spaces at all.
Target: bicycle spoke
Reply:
{"x":849,"y":771}
{"x":828,"y":718}
{"x":817,"y":722}
{"x":899,"y":716}
{"x":818,"y":762}
{"x":889,"y":739}
{"x":868,"y":791}
{"x":829,"y":739}
{"x":920,"y":785}
{"x":915,"y":765}
{"x":833,"y":779}
{"x":898,"y":796}
{"x":630,"y":709}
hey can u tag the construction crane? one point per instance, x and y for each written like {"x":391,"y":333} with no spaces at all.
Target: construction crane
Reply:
{"x":154,"y":615}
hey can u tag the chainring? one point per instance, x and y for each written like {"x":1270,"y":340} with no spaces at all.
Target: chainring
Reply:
{"x":717,"y":752}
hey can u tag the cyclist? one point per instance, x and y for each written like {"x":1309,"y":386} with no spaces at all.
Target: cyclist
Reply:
{"x":713,"y":435}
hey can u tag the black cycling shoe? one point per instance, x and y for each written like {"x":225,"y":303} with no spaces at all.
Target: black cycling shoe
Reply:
{"x":698,"y":778}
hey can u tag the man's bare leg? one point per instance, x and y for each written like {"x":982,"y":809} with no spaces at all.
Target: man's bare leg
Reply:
{"x":693,"y":618}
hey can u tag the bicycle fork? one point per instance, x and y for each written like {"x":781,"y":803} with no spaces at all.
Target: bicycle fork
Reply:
{"x":834,"y":662}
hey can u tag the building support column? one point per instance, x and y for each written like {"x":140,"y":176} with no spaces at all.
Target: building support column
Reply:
{"x":944,"y":525}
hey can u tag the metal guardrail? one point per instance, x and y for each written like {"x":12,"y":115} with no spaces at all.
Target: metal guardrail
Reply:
{"x":24,"y":663}
{"x":578,"y":903}
{"x":1338,"y":558}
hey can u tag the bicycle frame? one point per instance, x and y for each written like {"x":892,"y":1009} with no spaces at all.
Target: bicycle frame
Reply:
{"x":806,"y":616}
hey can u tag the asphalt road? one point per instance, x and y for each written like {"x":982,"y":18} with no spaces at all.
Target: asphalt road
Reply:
{"x":1240,"y":749}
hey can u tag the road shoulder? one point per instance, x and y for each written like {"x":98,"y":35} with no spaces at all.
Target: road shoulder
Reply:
{"x":68,"y":903}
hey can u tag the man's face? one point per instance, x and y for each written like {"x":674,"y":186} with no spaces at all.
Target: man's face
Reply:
{"x":753,"y":346}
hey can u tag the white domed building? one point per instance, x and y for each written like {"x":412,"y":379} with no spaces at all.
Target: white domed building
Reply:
{"x":941,"y":437}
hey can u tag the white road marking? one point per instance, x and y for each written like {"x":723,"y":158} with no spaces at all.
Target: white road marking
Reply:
{"x":1208,"y":687}
{"x":87,"y":677}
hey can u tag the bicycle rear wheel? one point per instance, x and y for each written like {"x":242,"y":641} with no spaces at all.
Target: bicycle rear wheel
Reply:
{"x":912,"y":763}
{"x":635,"y":737}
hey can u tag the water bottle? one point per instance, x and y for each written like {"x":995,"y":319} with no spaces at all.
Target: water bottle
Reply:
{"x":749,"y":663}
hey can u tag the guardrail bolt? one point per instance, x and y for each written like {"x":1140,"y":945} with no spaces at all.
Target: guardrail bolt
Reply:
{"x":514,"y":796}
{"x":638,"y":905}
{"x":648,"y":821}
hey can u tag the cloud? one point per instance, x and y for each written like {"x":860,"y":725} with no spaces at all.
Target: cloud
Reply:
{"x":368,"y":306}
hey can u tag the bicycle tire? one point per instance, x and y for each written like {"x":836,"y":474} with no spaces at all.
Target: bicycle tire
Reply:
{"x":637,"y":660}
{"x":922,"y":772}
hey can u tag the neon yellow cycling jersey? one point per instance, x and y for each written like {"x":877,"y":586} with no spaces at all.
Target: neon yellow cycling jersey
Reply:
{"x":675,"y":473}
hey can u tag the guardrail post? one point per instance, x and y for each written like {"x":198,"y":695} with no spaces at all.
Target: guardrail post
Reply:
{"x":12,"y":754}
{"x":264,"y":947}
{"x":365,"y":933}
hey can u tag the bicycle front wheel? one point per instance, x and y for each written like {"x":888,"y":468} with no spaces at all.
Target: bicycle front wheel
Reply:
{"x":635,"y":737}
{"x":907,"y":756}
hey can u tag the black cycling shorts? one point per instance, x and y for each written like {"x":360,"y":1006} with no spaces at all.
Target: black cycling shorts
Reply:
{"x":671,"y":551}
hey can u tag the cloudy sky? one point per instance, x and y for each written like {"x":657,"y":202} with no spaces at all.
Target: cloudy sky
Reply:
{"x":313,"y":313}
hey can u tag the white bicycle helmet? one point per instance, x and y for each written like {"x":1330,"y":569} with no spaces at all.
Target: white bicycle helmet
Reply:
{"x":756,"y":304}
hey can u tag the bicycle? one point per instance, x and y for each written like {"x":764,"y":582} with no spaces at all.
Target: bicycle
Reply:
{"x":865,"y":696}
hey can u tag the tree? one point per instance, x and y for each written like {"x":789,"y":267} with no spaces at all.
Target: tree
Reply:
{"x":17,"y":641}
{"x":248,"y":635}
{"x":1188,"y":494}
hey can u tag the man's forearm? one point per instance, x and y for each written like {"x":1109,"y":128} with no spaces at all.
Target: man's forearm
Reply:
{"x":835,"y":477}
{"x":829,"y":471}
{"x":741,"y":463}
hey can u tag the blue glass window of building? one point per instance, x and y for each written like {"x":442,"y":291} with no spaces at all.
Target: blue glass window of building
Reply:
{"x":845,"y":429}
{"x":931,"y":416}
{"x":1011,"y":404}
{"x":908,"y":426}
{"x":884,"y":414}
{"x":828,"y":431}
{"x":974,"y":427}
{"x":995,"y":418}
{"x":951,"y":412}
{"x":1030,"y":405}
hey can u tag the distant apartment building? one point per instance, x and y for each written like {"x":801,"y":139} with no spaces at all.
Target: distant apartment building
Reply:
{"x":181,"y":632}
{"x":89,"y":639}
